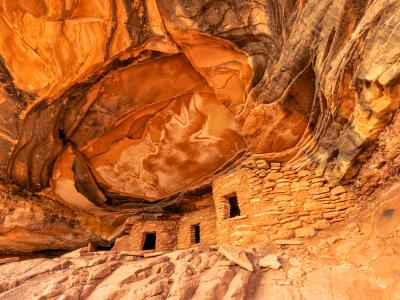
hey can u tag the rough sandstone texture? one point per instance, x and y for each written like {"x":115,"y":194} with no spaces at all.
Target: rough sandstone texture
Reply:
{"x":121,"y":118}
{"x":113,"y":104}
{"x":357,"y":260}
{"x":29,"y":223}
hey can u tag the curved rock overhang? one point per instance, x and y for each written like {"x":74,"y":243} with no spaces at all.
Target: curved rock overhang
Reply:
{"x":124,"y":104}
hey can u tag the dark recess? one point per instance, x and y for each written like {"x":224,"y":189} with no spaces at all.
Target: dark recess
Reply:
{"x":195,"y":234}
{"x":388,"y":212}
{"x":149,"y":241}
{"x":234,"y":210}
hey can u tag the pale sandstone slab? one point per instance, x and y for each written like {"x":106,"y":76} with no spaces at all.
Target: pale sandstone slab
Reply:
{"x":237,"y":256}
{"x":270,"y":261}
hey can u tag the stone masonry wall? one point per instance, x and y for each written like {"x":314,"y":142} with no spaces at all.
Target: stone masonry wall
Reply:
{"x":208,"y":225}
{"x":166,"y":234}
{"x":276,"y":203}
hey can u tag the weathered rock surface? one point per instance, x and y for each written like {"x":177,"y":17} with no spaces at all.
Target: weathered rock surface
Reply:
{"x":114,"y":104}
{"x":29,"y":223}
{"x":270,"y":261}
{"x":115,"y":113}
{"x":360,"y":263}
{"x":237,"y":256}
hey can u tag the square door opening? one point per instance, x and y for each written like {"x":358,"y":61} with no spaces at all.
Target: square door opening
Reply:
{"x":149,"y":241}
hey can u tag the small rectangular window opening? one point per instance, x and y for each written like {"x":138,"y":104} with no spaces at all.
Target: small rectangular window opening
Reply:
{"x":149,"y":241}
{"x":195,"y":232}
{"x":234,"y":210}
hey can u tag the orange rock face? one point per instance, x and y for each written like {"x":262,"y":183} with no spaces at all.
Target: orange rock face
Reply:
{"x":110,"y":106}
{"x":144,"y":126}
{"x":155,"y":96}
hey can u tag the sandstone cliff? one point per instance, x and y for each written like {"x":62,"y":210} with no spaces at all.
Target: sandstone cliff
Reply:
{"x":198,"y":123}
{"x":358,"y":260}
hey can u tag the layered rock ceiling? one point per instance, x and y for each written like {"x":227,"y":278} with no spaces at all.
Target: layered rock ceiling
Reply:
{"x":160,"y":138}
{"x":111,"y":106}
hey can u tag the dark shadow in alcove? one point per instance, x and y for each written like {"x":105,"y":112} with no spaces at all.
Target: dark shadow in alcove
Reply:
{"x":149,"y":241}
{"x":195,"y":231}
{"x":234,"y":209}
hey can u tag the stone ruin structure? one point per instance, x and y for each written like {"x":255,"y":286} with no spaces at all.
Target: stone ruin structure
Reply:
{"x":255,"y":202}
{"x":148,"y":126}
{"x":276,"y":203}
{"x":200,"y":121}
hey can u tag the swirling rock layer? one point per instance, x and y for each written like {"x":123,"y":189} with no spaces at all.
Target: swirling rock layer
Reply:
{"x":147,"y":99}
{"x":120,"y":119}
{"x":120,"y":108}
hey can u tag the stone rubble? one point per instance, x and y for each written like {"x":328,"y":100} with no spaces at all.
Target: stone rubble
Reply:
{"x":270,"y":261}
{"x":237,"y":256}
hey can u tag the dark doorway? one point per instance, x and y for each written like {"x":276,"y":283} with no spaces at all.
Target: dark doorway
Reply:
{"x":149,"y":241}
{"x":195,"y":234}
{"x":234,"y":209}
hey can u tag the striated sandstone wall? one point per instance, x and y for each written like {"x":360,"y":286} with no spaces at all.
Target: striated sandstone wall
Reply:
{"x":144,"y":100}
{"x":30,"y":223}
{"x":120,"y":108}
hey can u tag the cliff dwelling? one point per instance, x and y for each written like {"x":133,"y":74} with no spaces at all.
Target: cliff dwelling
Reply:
{"x":256,"y":201}
{"x":199,"y":149}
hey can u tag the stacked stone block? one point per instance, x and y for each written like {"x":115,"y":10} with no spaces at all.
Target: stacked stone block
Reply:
{"x":207,"y":220}
{"x":166,"y":234}
{"x":276,"y":202}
